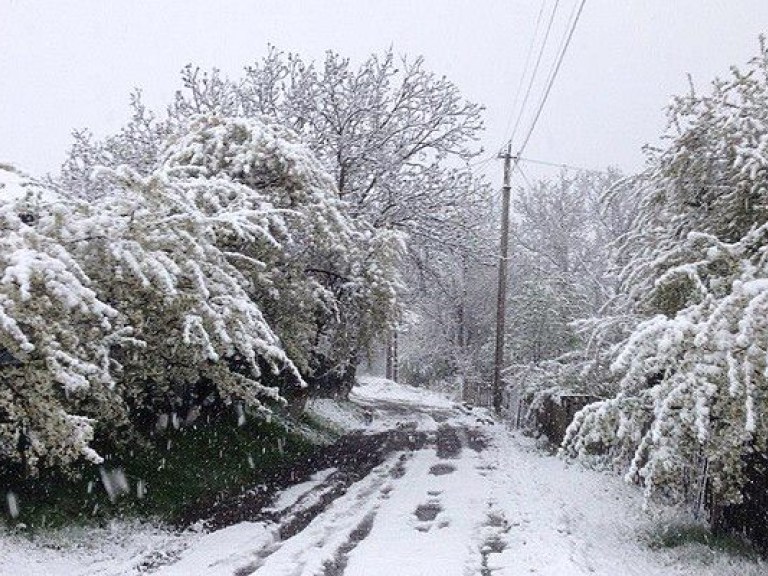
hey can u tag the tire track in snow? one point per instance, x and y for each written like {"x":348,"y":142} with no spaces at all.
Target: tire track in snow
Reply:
{"x":328,"y":538}
{"x":427,"y":526}
{"x":337,"y":566}
{"x":491,"y":538}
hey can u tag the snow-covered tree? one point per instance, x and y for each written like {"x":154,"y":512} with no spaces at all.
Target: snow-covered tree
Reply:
{"x":445,"y":340}
{"x":395,"y":139}
{"x":560,"y":273}
{"x":138,"y":144}
{"x":383,"y":129}
{"x":393,"y":135}
{"x":691,"y":372}
{"x":330,"y":288}
{"x":193,"y":285}
{"x":153,"y":247}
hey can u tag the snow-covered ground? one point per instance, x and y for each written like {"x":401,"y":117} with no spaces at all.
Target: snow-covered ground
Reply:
{"x":561,"y":519}
{"x":378,"y":404}
{"x":458,"y":507}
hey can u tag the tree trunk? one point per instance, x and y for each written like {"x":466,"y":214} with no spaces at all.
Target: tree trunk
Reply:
{"x":395,"y":362}
{"x":392,"y":364}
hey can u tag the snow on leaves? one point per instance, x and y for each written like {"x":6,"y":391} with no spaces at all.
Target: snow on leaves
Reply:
{"x":44,"y":295}
{"x":693,"y":372}
{"x":207,"y":273}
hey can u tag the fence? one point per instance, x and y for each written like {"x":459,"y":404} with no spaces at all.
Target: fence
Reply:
{"x":477,"y":393}
{"x":515,"y":407}
{"x":550,"y":416}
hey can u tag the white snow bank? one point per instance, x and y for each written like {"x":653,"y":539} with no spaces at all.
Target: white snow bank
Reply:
{"x":76,"y":551}
{"x":373,"y":389}
{"x":218,"y":553}
{"x":561,"y":519}
{"x":339,"y":415}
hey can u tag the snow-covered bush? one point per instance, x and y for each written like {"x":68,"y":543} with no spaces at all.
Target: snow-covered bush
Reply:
{"x":55,"y":332}
{"x":691,"y":373}
{"x":153,"y":246}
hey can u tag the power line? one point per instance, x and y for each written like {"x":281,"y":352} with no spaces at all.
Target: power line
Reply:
{"x":525,"y":67}
{"x":552,"y":78}
{"x":506,"y":189}
{"x":568,"y":24}
{"x":562,"y":165}
{"x":525,"y":178}
{"x":485,"y":161}
{"x":535,"y":70}
{"x":481,"y":163}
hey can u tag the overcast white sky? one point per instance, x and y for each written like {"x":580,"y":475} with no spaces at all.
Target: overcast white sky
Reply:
{"x":72,"y":64}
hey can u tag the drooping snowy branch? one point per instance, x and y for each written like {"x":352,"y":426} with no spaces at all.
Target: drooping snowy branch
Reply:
{"x":692,"y":374}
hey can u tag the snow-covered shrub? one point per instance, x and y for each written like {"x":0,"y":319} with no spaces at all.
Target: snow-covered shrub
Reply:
{"x":57,"y":330}
{"x":153,"y":247}
{"x":695,"y":381}
{"x":192,"y":282}
{"x":691,"y":374}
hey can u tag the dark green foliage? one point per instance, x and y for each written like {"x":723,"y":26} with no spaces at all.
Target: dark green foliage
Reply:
{"x":189,"y":467}
{"x":682,"y":534}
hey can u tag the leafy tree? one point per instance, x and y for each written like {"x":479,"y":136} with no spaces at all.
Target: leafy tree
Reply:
{"x":447,"y":332}
{"x":138,"y":144}
{"x":383,"y":130}
{"x":330,"y":289}
{"x":189,"y":288}
{"x":560,"y":273}
{"x":394,"y":138}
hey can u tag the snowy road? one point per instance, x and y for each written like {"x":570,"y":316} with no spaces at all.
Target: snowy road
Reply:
{"x":473,"y":498}
{"x":415,"y":502}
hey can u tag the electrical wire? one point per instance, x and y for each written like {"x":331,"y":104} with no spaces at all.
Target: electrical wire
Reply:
{"x":535,"y":70}
{"x":520,"y":83}
{"x":561,"y":165}
{"x":573,"y":20}
{"x":563,"y":40}
{"x":481,"y":163}
{"x":552,"y":78}
{"x":525,"y":178}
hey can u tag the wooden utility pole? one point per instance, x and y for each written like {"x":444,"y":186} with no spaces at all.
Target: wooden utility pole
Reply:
{"x":501,"y":301}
